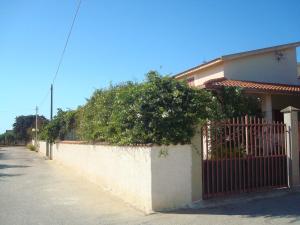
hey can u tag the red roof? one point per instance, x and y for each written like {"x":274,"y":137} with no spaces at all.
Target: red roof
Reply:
{"x":253,"y":86}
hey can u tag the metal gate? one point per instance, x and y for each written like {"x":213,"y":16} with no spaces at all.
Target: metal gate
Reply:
{"x":243,"y":155}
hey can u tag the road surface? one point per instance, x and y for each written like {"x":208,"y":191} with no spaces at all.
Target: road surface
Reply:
{"x":34,"y":191}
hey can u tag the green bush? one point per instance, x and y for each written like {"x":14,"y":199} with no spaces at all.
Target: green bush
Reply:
{"x":60,"y":127}
{"x":160,"y":110}
{"x":31,"y":147}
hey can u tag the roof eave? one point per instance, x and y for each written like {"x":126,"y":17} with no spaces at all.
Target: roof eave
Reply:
{"x":261,"y":50}
{"x":206,"y":65}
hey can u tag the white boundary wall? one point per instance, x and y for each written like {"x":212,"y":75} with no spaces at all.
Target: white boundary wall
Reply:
{"x":150,"y":178}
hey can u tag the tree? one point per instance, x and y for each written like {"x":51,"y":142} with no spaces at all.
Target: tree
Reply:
{"x":23,"y":126}
{"x":7,"y":138}
{"x":235,"y":103}
{"x":61,"y":127}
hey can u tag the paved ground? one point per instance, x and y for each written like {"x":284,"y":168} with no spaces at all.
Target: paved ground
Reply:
{"x":34,"y":191}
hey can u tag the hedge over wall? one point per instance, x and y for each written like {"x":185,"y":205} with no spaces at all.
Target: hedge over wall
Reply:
{"x":160,"y":110}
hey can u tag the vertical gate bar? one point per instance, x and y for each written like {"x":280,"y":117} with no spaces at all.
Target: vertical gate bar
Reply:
{"x":269,"y":149}
{"x":275,"y":155}
{"x":251,"y":148}
{"x":217,"y":156}
{"x":285,"y":154}
{"x":234,"y":152}
{"x":226,"y":158}
{"x":278,"y":153}
{"x":281,"y":154}
{"x":212,"y":129}
{"x":259,"y":152}
{"x":222,"y":158}
{"x":267,"y":158}
{"x":207,"y":160}
{"x":202,"y":158}
{"x":255,"y":152}
{"x":239,"y":152}
{"x":230,"y":155}
{"x":264,"y":136}
{"x":248,"y":156}
{"x":271,"y":155}
{"x":267,"y":153}
{"x":244,"y":158}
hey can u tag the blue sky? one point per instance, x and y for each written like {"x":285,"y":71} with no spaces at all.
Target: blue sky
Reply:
{"x":116,"y":41}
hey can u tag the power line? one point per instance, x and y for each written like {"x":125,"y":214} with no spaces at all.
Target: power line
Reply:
{"x":44,"y":99}
{"x":61,"y":56}
{"x":67,"y":41}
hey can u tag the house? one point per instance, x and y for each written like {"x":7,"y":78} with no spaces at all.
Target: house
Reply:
{"x":272,"y":74}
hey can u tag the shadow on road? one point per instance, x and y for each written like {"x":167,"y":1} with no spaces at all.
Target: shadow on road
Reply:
{"x":7,"y":166}
{"x":287,"y":206}
{"x":3,"y":166}
{"x":10,"y":175}
{"x":2,"y":155}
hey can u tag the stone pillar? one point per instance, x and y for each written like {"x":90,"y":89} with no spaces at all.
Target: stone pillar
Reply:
{"x":266,"y":107}
{"x":291,"y":122}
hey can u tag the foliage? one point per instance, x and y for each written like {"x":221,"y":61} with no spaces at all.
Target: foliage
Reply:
{"x":160,"y":110}
{"x":227,"y":153}
{"x":234,"y":103}
{"x":23,"y":126}
{"x":31,"y":147}
{"x":7,"y":138}
{"x":60,"y":127}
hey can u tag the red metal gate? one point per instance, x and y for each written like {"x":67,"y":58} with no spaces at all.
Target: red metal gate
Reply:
{"x":299,"y":141}
{"x":243,"y":155}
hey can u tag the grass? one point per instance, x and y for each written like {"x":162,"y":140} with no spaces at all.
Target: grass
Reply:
{"x":31,"y":147}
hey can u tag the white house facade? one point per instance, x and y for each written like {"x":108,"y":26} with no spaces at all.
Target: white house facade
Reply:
{"x":272,"y":74}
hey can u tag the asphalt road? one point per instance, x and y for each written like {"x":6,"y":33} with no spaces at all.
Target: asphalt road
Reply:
{"x":34,"y":191}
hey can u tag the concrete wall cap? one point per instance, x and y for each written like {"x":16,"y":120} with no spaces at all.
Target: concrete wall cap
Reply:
{"x":289,"y":109}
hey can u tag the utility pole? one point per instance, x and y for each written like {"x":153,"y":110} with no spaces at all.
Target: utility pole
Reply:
{"x":51,"y":106}
{"x":51,"y":117}
{"x":36,"y":125}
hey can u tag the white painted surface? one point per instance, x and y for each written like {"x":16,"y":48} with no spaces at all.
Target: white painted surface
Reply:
{"x":292,"y":145}
{"x":42,"y":148}
{"x":266,"y":107}
{"x":264,"y":68}
{"x":140,"y":176}
{"x":208,"y":74}
{"x":171,"y":176}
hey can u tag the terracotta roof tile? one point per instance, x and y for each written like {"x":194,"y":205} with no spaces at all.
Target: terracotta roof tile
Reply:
{"x":256,"y":86}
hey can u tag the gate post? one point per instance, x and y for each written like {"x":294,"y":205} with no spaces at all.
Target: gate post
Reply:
{"x":291,"y":122}
{"x":197,"y":151}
